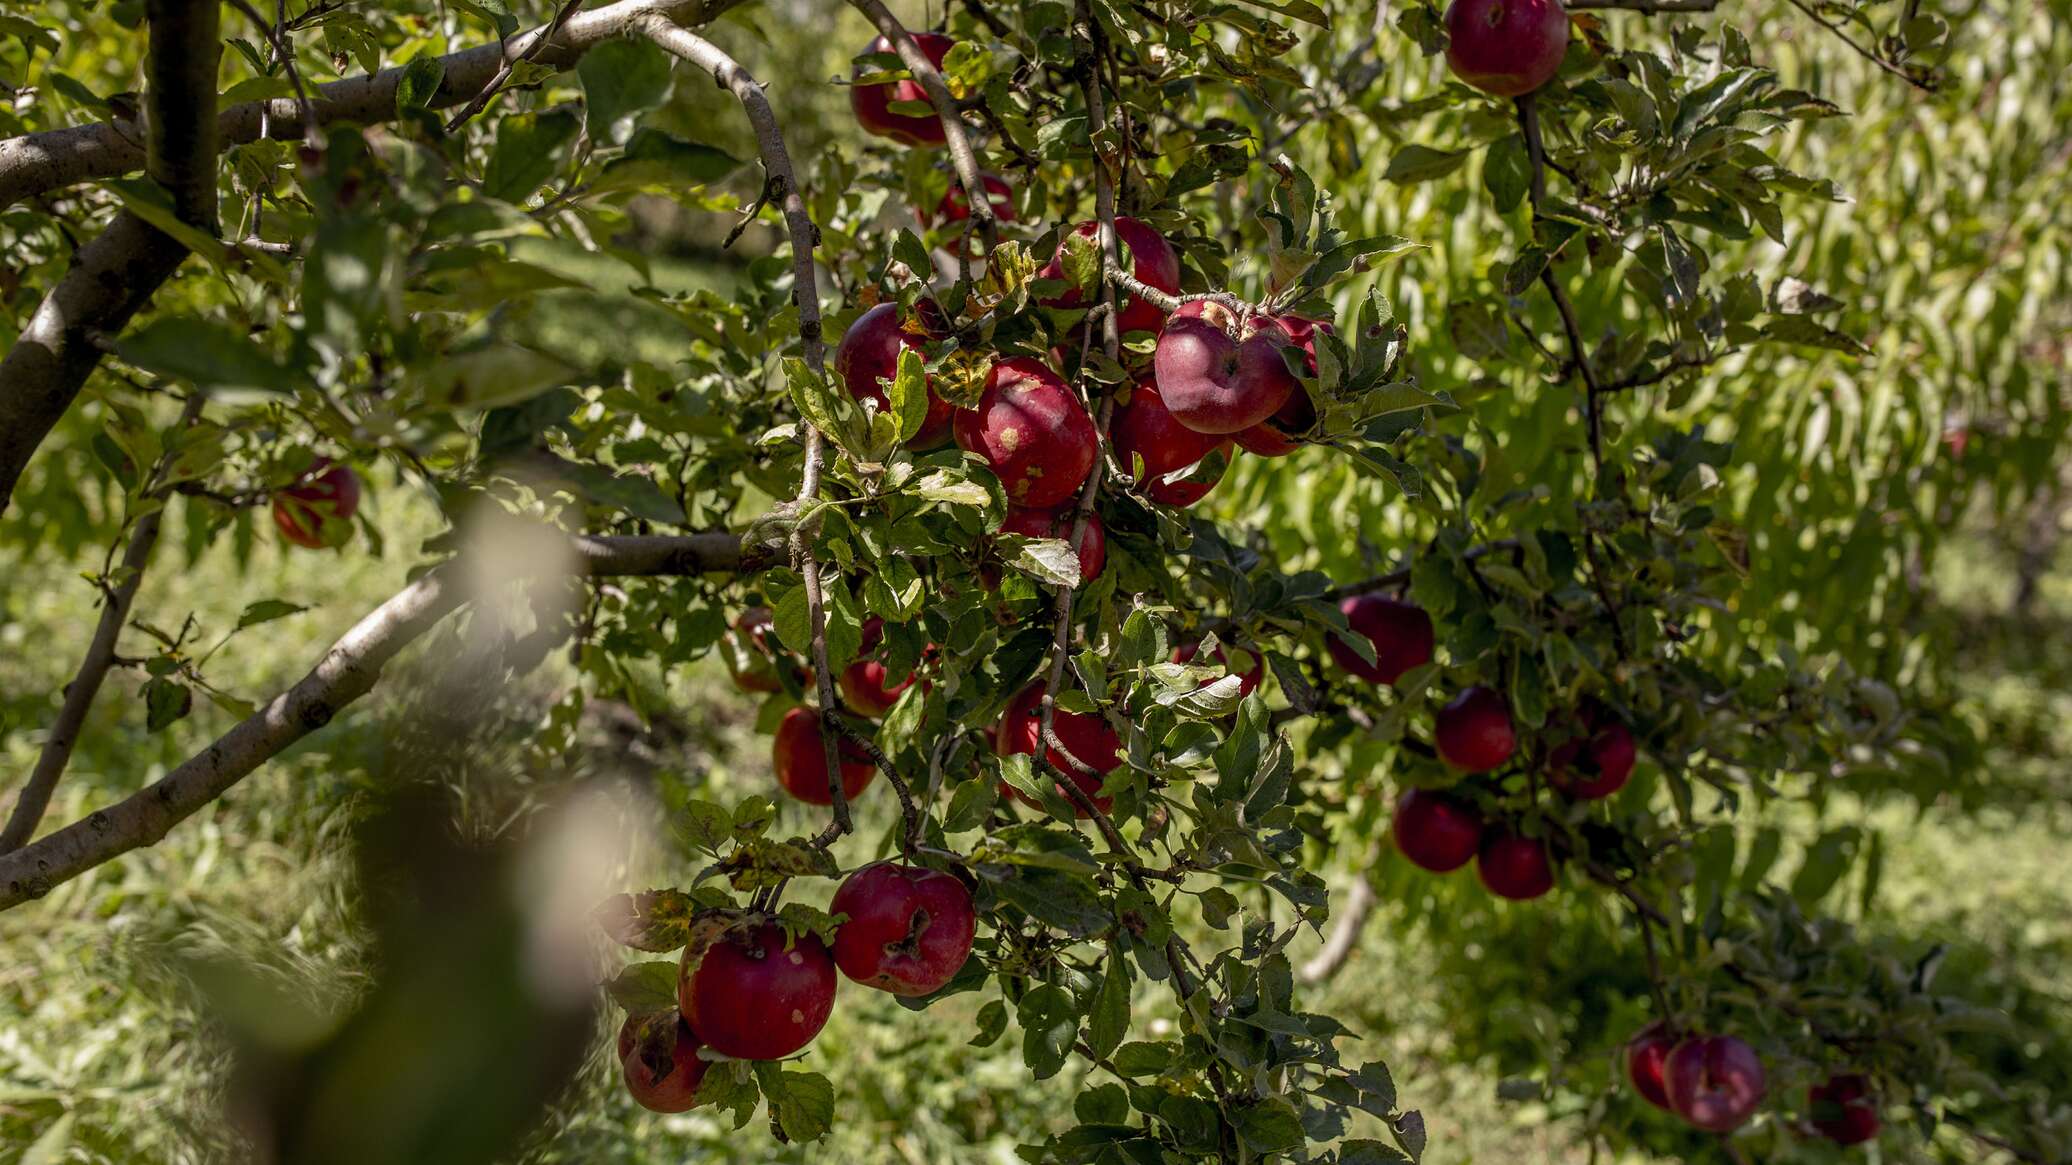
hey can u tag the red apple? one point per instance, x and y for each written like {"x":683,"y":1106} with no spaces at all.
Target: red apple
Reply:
{"x":1146,"y":428}
{"x":751,"y":995}
{"x":865,"y":687}
{"x":1087,"y":737}
{"x":1843,"y":1110}
{"x":1515,"y":867}
{"x":1400,"y":632}
{"x":1093,"y":541}
{"x":872,"y":103}
{"x":1434,"y":831}
{"x":909,"y":929}
{"x":1593,"y":766}
{"x":658,"y":1055}
{"x":1152,"y":260}
{"x":316,"y":512}
{"x":1474,"y":732}
{"x":801,"y":763}
{"x":1032,"y":430}
{"x":869,"y":353}
{"x":751,"y":659}
{"x":1276,"y":436}
{"x":1646,"y":1053}
{"x":1218,"y":375}
{"x":1247,"y":681}
{"x":955,"y":207}
{"x":1506,"y":47}
{"x":1714,"y":1082}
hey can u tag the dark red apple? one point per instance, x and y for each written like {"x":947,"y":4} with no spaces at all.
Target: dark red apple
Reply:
{"x":1032,"y":430}
{"x":1506,"y":47}
{"x":1474,"y":732}
{"x":864,"y":685}
{"x":1434,"y":831}
{"x":1646,"y":1053}
{"x":658,"y":1055}
{"x":1146,"y":428}
{"x":750,"y":657}
{"x":1152,"y":260}
{"x":1714,"y":1082}
{"x":1843,"y":1110}
{"x":869,"y":353}
{"x":801,"y":763}
{"x":1093,"y":541}
{"x":872,"y":103}
{"x":1400,"y":632}
{"x":1276,"y":436}
{"x":955,"y":207}
{"x":1087,"y":737}
{"x":1219,"y":375}
{"x":751,"y":995}
{"x":909,"y":929}
{"x":316,"y":512}
{"x":1247,"y":681}
{"x":1594,"y":765}
{"x":1515,"y":867}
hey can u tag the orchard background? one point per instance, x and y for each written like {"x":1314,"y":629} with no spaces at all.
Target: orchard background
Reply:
{"x":1717,"y":391}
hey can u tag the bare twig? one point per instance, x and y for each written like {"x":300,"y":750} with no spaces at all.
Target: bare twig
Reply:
{"x":1923,"y":84}
{"x":284,"y":51}
{"x":516,"y":53}
{"x":1345,"y":934}
{"x":954,"y":134}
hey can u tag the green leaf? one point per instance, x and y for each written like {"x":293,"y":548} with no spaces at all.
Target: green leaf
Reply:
{"x":1370,"y":1153}
{"x":991,"y":1024}
{"x":653,"y":921}
{"x":1109,"y":1020}
{"x":1050,"y":560}
{"x":645,"y":988}
{"x":266,"y":611}
{"x":420,"y":83}
{"x":165,"y":701}
{"x":1507,"y":172}
{"x":54,"y":1145}
{"x":622,"y":79}
{"x":1050,"y":1022}
{"x":495,"y":374}
{"x":527,"y":153}
{"x":803,"y":1102}
{"x":629,"y":493}
{"x":1415,"y":163}
{"x":1270,"y":1126}
{"x":205,"y":354}
{"x":655,"y":159}
{"x":909,"y":393}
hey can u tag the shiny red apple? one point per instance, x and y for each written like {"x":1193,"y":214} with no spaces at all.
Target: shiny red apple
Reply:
{"x":909,"y":929}
{"x":1506,"y":47}
{"x":1400,"y":632}
{"x":1145,"y":428}
{"x":801,"y":762}
{"x":1435,"y":831}
{"x":1514,"y":867}
{"x":1220,"y":375}
{"x":1031,"y":429}
{"x":1086,"y":736}
{"x":872,"y":103}
{"x":750,"y":993}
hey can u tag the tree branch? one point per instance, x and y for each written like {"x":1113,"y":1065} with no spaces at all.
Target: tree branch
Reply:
{"x":1923,"y":84}
{"x":516,"y":53}
{"x":346,"y":672}
{"x":954,"y":134}
{"x":1345,"y":934}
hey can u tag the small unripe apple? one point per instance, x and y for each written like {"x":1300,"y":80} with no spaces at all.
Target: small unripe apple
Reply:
{"x":865,"y":686}
{"x":316,"y":512}
{"x":1093,"y":540}
{"x":872,"y":103}
{"x":1506,"y":47}
{"x":869,"y":355}
{"x":751,"y":995}
{"x":1276,"y":436}
{"x":1843,"y":1109}
{"x":1646,"y":1053}
{"x":1146,"y":428}
{"x":909,"y":929}
{"x":1219,"y":375}
{"x":956,"y":207}
{"x":801,"y":762}
{"x":658,"y":1056}
{"x":1474,"y":732}
{"x":751,"y":659}
{"x":1434,"y":831}
{"x":1515,"y":867}
{"x":1152,"y":260}
{"x":1595,"y":765}
{"x":1086,"y":736}
{"x":1714,"y":1083}
{"x":1400,"y":632}
{"x":1247,"y":681}
{"x":1030,"y":427}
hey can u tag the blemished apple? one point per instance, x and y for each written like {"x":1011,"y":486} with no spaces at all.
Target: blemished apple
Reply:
{"x":1400,"y":631}
{"x":1435,"y":831}
{"x":1031,"y":429}
{"x":1715,"y":1083}
{"x":1473,"y":732}
{"x":1220,"y":375}
{"x":1843,"y":1110}
{"x":751,"y":993}
{"x":1152,"y":260}
{"x":1146,"y":428}
{"x":909,"y":929}
{"x":872,"y":103}
{"x":865,"y":686}
{"x":1515,"y":867}
{"x":801,"y":762}
{"x":1035,"y":523}
{"x":868,"y":356}
{"x":1596,"y":763}
{"x":658,"y":1057}
{"x":1279,"y":434}
{"x":1506,"y":47}
{"x":1086,"y":736}
{"x":1646,"y":1054}
{"x":316,"y":512}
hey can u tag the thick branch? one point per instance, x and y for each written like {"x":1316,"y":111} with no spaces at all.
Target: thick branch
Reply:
{"x":345,"y":673}
{"x":954,"y":136}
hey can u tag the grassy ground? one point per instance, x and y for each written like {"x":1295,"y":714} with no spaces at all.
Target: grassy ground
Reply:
{"x":108,"y":1054}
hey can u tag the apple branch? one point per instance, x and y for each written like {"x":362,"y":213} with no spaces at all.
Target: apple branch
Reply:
{"x":345,"y":673}
{"x":1924,"y":84}
{"x":954,"y":133}
{"x":516,"y":53}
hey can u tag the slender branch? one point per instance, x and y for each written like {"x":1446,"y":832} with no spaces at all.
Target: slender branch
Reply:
{"x":284,"y":51}
{"x":34,"y":799}
{"x":346,"y":672}
{"x":1659,"y":374}
{"x":1923,"y":84}
{"x":1535,"y":148}
{"x":955,"y":135}
{"x":515,"y":54}
{"x":1345,"y":934}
